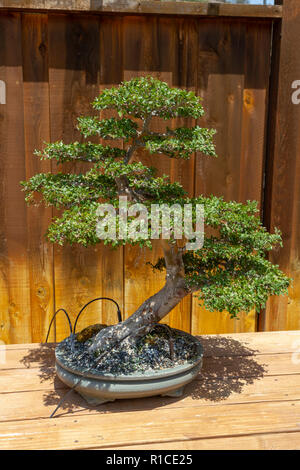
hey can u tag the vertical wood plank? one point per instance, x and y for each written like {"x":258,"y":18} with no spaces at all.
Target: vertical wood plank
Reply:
{"x":160,"y":50}
{"x":282,"y":198}
{"x":111,"y":74}
{"x":255,"y":103}
{"x":184,"y":76}
{"x":220,"y":83}
{"x":37,"y":130}
{"x":15,"y":320}
{"x":254,"y":122}
{"x":142,"y":57}
{"x":223,"y":71}
{"x":74,"y":83}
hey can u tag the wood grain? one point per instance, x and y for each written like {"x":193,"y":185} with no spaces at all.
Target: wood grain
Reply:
{"x":166,"y":51}
{"x":214,"y":369}
{"x":74,"y":83}
{"x":236,"y":408}
{"x":220,"y":83}
{"x":268,"y":343}
{"x":15,"y":317}
{"x":150,"y":7}
{"x":282,"y":206}
{"x":254,"y":115}
{"x":111,"y":74}
{"x":37,"y":131}
{"x":70,"y":432}
{"x":40,"y":403}
{"x":35,"y":355}
{"x":233,"y":84}
{"x":280,"y":441}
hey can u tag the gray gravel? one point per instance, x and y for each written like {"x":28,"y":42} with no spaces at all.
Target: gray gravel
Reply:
{"x":152,"y":352}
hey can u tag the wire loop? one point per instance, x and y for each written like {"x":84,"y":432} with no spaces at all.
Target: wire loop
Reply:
{"x":52,"y":319}
{"x":98,"y":298}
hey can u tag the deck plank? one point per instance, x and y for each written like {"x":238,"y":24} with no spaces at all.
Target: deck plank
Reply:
{"x":41,"y":403}
{"x":41,"y":378}
{"x":70,"y":432}
{"x":280,"y":441}
{"x":246,"y":397}
{"x":18,"y":356}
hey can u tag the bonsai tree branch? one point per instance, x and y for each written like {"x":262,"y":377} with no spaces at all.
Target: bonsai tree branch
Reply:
{"x":136,"y":141}
{"x":122,"y":181}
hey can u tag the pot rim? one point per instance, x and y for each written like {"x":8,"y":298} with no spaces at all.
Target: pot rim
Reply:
{"x":147,"y":375}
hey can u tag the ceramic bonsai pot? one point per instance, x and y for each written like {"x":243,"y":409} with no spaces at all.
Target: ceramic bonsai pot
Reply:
{"x":98,"y":388}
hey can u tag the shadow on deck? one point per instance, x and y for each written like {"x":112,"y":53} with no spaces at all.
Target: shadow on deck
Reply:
{"x":228,"y":366}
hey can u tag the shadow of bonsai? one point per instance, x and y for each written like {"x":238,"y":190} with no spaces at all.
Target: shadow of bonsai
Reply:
{"x":228,"y":366}
{"x":43,"y":359}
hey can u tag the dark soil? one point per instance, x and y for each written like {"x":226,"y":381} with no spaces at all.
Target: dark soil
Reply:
{"x":162,"y":348}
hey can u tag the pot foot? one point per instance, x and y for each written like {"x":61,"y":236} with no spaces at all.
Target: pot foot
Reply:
{"x":94,"y":401}
{"x":174,"y":393}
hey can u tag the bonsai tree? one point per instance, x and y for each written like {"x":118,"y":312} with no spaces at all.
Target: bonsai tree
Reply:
{"x":229,"y":271}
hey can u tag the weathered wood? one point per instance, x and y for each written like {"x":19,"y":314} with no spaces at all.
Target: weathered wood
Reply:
{"x":214,"y":369}
{"x":74,"y":83}
{"x":281,"y":441}
{"x":233,"y":84}
{"x":33,"y":355}
{"x":221,"y":78}
{"x":282,"y":199}
{"x":15,"y":319}
{"x":147,"y":7}
{"x":40,"y":374}
{"x":37,"y":131}
{"x":105,"y":429}
{"x":36,"y":404}
{"x":156,"y":41}
{"x":255,"y":96}
{"x":111,"y":73}
{"x":237,"y":410}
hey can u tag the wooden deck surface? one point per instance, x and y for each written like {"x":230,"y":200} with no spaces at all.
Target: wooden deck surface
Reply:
{"x":246,"y":397}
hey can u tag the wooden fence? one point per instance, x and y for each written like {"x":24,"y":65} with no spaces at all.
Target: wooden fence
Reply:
{"x":55,"y":57}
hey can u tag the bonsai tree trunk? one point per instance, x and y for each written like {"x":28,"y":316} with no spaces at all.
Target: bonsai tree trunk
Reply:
{"x":153,"y":309}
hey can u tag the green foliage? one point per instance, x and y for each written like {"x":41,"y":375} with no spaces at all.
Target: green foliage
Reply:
{"x":77,"y":225}
{"x":231,"y":270}
{"x":120,"y":168}
{"x":231,"y":267}
{"x":182,"y":142}
{"x":108,"y":128}
{"x":86,"y":152}
{"x":144,"y":96}
{"x":63,"y":190}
